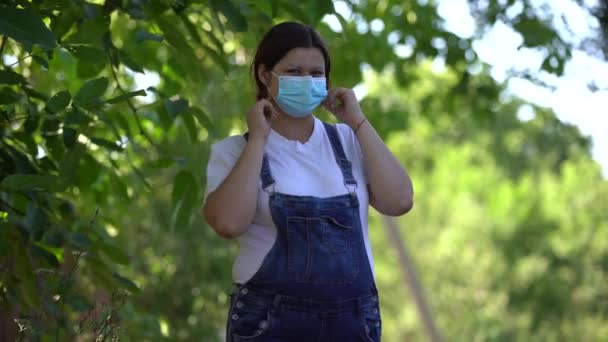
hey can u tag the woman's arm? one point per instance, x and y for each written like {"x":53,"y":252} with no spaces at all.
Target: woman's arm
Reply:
{"x":390,"y":187}
{"x":230,"y":208}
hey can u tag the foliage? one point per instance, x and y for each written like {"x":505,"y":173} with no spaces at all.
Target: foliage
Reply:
{"x":100,"y":182}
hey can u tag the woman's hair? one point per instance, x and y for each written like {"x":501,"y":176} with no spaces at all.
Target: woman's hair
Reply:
{"x":277,"y":42}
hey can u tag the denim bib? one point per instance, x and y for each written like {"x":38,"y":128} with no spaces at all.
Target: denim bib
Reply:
{"x":318,"y":265}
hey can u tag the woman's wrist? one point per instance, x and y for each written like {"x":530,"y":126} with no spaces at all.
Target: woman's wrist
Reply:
{"x":358,"y":124}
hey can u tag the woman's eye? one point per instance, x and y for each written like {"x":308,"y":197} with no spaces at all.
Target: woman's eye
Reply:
{"x":293,"y":71}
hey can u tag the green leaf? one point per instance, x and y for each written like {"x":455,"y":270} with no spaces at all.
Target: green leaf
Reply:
{"x":58,"y":102}
{"x":90,"y":31}
{"x":127,"y":96}
{"x":10,"y":77}
{"x":190,"y":126}
{"x":40,"y":60}
{"x":554,"y":64}
{"x":119,"y":187}
{"x":62,"y":23}
{"x":112,"y":146}
{"x":202,"y":117}
{"x":70,"y":136}
{"x":76,"y":118}
{"x":184,"y":199}
{"x":129,"y":62}
{"x":69,"y":168}
{"x":80,"y":241}
{"x":142,"y":35}
{"x":88,"y":95}
{"x":534,"y":31}
{"x":27,"y":281}
{"x":235,"y":19}
{"x":25,"y":27}
{"x":36,"y":220}
{"x":173,"y":35}
{"x":176,"y":107}
{"x":184,"y":59}
{"x":141,"y":177}
{"x":184,"y":181}
{"x":34,"y":93}
{"x":86,"y":52}
{"x":8,"y":96}
{"x":262,"y":6}
{"x":113,"y":252}
{"x":126,"y":283}
{"x":91,"y":60}
{"x":23,"y":182}
{"x":57,"y":252}
{"x":89,"y":171}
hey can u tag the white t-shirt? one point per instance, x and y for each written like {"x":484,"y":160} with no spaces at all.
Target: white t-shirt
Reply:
{"x":307,"y":169}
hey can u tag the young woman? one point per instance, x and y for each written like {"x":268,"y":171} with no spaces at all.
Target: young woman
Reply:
{"x":295,"y":191}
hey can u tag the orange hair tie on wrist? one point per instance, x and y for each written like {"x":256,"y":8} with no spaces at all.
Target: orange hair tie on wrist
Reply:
{"x":359,"y":125}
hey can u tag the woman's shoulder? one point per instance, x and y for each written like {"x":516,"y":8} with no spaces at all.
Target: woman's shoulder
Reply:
{"x":346,"y":133}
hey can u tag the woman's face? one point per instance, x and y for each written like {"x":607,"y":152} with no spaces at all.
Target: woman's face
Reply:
{"x":297,"y":62}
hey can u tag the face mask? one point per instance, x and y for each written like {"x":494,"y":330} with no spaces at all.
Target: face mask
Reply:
{"x":299,"y":95}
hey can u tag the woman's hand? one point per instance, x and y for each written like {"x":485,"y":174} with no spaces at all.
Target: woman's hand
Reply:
{"x":259,"y":118}
{"x":343,"y":104}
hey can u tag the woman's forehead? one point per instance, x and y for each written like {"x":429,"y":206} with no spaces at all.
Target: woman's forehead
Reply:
{"x":304,"y":58}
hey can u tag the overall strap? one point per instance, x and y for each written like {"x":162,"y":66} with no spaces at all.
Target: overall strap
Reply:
{"x":265,"y":174}
{"x":345,"y":165}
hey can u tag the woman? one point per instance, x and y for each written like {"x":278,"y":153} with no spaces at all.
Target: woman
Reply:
{"x":295,"y":192}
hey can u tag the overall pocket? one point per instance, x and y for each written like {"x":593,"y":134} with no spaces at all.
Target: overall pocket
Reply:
{"x":321,"y":250}
{"x":249,"y":317}
{"x":372,"y":324}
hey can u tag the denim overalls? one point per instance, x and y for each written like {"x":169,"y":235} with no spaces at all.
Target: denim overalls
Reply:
{"x":315,"y":283}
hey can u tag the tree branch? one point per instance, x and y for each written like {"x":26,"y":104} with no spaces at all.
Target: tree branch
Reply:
{"x":133,"y":109}
{"x":4,"y":39}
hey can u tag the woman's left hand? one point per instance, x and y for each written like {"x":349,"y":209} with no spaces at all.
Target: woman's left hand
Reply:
{"x":343,"y":104}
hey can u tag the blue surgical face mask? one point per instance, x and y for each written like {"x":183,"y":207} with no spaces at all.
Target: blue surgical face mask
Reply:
{"x":298,"y":96}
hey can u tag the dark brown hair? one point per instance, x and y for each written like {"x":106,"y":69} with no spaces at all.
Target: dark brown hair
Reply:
{"x":277,"y":42}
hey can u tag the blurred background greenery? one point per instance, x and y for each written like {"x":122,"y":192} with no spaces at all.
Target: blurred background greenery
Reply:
{"x":101,"y":236}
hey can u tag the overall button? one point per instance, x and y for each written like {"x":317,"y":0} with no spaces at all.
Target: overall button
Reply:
{"x":239,"y":304}
{"x":235,"y":317}
{"x":375,"y":311}
{"x":263,"y":325}
{"x":244,"y":291}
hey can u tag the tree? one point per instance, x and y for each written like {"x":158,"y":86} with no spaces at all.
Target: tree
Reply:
{"x":100,"y":187}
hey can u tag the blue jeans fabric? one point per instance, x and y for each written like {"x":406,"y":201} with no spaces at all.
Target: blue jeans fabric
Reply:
{"x":315,"y":283}
{"x":260,"y":315}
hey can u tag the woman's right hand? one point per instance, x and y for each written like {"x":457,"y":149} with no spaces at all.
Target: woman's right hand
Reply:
{"x":259,"y":119}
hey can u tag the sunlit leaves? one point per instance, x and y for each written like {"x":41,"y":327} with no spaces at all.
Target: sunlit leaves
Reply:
{"x":143,"y":35}
{"x":91,"y":60}
{"x":126,"y":96}
{"x":74,"y":113}
{"x":58,"y":102}
{"x":25,"y":27}
{"x":176,"y":107}
{"x":11,"y":77}
{"x":184,"y":199}
{"x":22,"y":182}
{"x":7,"y":96}
{"x":534,"y":31}
{"x":90,"y":93}
{"x":236,"y":20}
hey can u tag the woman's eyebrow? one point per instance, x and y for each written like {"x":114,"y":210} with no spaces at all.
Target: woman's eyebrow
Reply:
{"x":318,"y":67}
